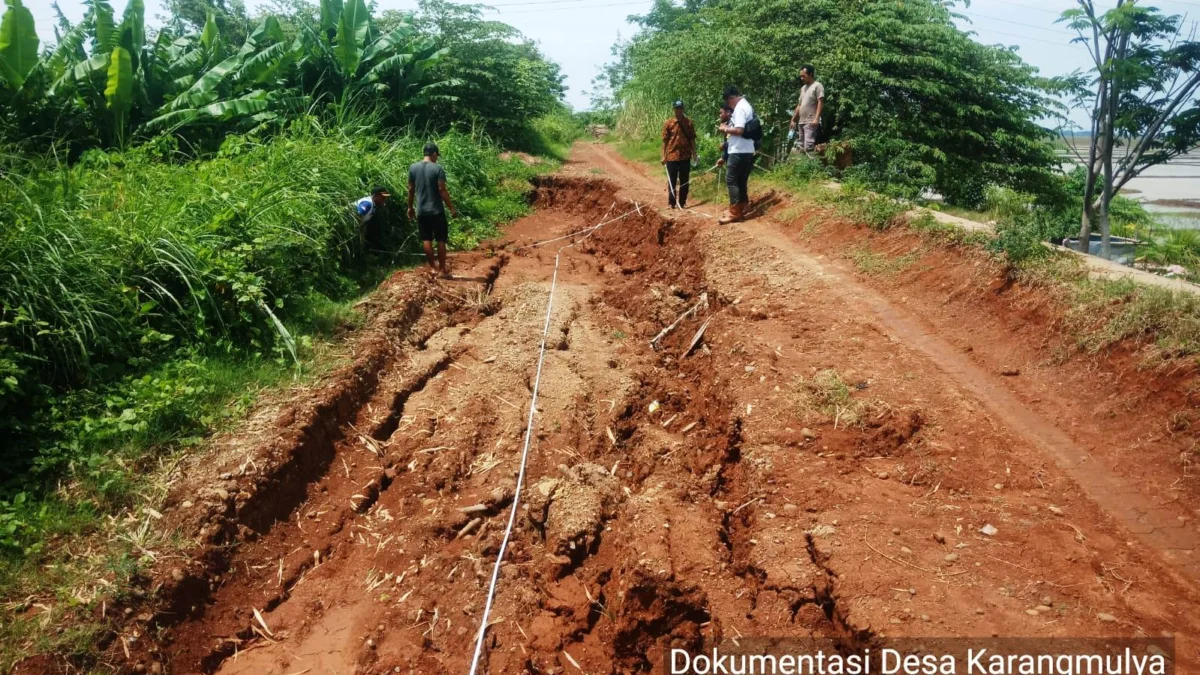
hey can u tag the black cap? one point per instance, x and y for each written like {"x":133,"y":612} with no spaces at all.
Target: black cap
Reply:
{"x":431,"y":149}
{"x":380,"y":190}
{"x":678,"y":103}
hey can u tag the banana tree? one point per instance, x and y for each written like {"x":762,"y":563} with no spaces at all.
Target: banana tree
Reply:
{"x":249,"y":85}
{"x":347,"y":56}
{"x":18,"y":44}
{"x":104,"y":79}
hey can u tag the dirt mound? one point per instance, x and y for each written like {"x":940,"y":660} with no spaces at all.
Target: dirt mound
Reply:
{"x":571,"y":511}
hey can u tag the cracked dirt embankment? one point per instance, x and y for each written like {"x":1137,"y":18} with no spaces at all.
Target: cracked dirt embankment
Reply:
{"x":801,"y":473}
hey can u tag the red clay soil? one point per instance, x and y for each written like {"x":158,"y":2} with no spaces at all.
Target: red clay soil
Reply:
{"x":821,"y":464}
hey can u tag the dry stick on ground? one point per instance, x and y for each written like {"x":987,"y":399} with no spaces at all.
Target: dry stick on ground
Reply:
{"x":468,"y":527}
{"x":663,"y":333}
{"x":746,"y":504}
{"x":1010,"y":563}
{"x":915,"y":567}
{"x":258,"y":615}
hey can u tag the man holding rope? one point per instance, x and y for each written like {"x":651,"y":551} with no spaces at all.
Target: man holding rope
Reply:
{"x":678,"y":153}
{"x":723,"y":117}
{"x":428,"y":199}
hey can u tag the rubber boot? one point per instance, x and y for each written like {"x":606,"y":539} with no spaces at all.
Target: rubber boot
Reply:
{"x":733,"y":215}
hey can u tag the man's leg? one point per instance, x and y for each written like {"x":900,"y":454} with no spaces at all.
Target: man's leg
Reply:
{"x":731,"y":180}
{"x":735,"y":182}
{"x":739,"y":171}
{"x":425,"y":231}
{"x":809,"y":136}
{"x":744,"y":184}
{"x":739,"y":174}
{"x":443,"y":233}
{"x":684,"y":183}
{"x":428,"y":246}
{"x":672,"y":183}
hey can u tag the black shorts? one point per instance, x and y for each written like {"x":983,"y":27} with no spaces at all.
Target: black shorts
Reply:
{"x":433,"y":227}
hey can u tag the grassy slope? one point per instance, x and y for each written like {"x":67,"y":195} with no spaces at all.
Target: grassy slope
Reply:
{"x":173,"y":295}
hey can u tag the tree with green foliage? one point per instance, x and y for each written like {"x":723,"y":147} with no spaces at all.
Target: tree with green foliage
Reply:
{"x":105,"y":82}
{"x":1141,"y":96}
{"x":922,"y":104}
{"x":499,"y":75}
{"x":18,"y":44}
{"x":229,"y":16}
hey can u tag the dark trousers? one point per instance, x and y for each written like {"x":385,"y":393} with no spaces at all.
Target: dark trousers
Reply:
{"x":737,"y":176}
{"x":680,"y":175}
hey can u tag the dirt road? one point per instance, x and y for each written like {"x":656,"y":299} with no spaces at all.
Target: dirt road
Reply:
{"x":851,"y":450}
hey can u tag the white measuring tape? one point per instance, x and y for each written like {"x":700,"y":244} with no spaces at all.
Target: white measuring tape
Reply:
{"x":537,"y":380}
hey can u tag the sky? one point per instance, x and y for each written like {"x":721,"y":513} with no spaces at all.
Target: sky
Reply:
{"x":579,"y":34}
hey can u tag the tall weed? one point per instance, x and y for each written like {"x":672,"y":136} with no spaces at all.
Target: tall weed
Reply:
{"x":128,"y":266}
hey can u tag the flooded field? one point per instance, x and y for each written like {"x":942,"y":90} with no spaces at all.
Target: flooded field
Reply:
{"x":1176,"y":180}
{"x":1170,"y":191}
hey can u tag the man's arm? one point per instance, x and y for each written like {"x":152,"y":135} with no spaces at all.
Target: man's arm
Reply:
{"x":446,"y":196}
{"x":665,"y":135}
{"x":734,"y":130}
{"x":412,"y":195}
{"x":820,"y":107}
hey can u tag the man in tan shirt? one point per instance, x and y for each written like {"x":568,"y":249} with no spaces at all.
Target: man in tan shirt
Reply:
{"x":678,"y":152}
{"x":806,"y":119}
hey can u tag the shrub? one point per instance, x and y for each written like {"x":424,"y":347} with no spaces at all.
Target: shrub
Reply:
{"x":875,"y":211}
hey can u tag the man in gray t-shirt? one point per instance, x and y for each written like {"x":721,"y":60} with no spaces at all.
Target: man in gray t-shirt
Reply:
{"x":807,"y":117}
{"x":427,"y":202}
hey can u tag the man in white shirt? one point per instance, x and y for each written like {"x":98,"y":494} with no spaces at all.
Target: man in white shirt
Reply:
{"x":807,"y":117}
{"x":741,"y":155}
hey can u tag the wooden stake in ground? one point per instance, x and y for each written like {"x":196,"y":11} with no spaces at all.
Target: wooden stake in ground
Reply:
{"x":663,"y":333}
{"x":697,"y":337}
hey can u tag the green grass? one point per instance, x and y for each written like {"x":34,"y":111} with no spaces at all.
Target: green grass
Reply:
{"x":1105,"y":313}
{"x":877,"y":264}
{"x":827,"y":398}
{"x":645,"y":151}
{"x":552,"y":135}
{"x":930,"y":227}
{"x":965,"y":214}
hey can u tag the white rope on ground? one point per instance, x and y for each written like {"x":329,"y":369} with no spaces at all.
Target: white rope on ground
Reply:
{"x":571,"y":234}
{"x":537,"y":380}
